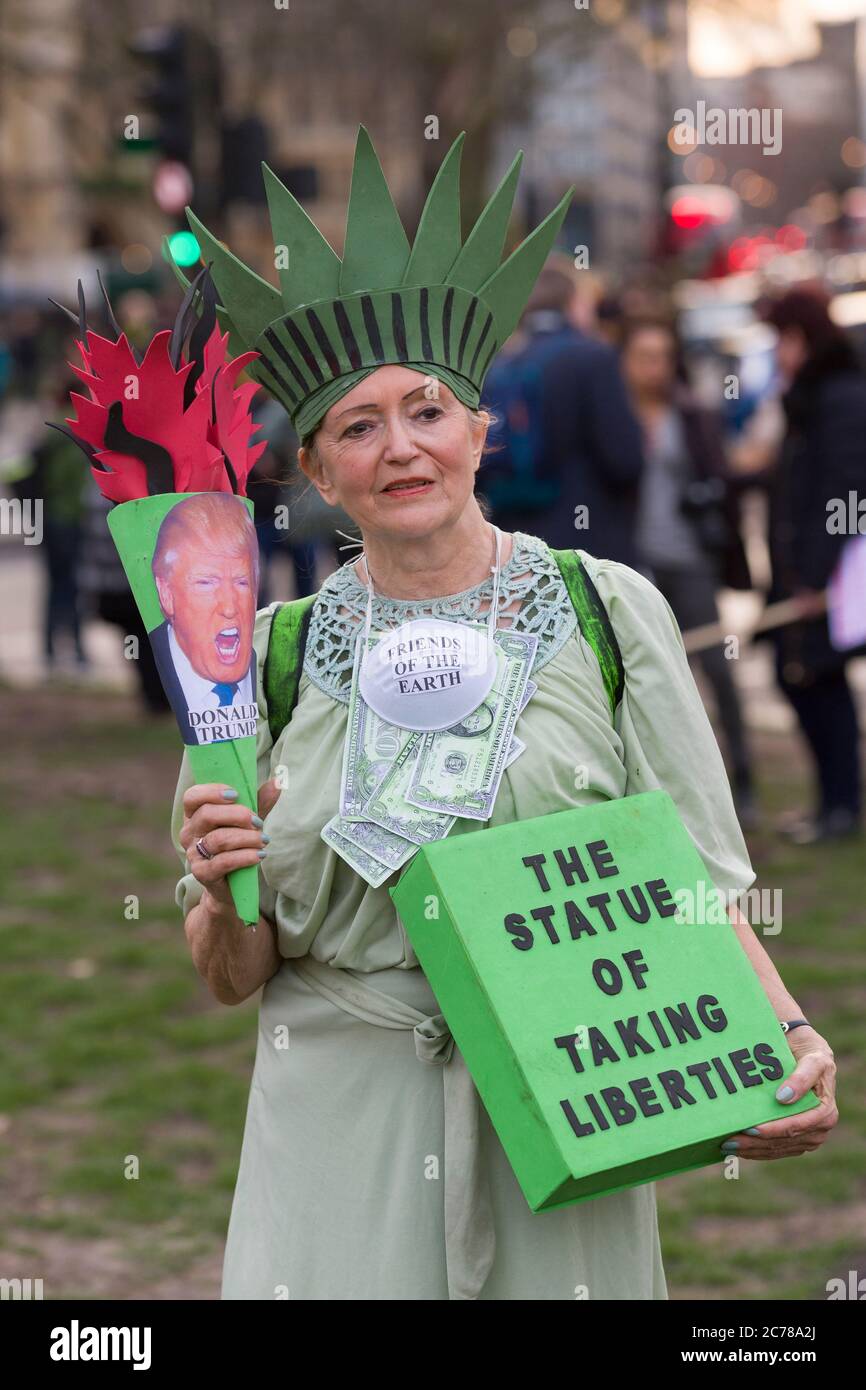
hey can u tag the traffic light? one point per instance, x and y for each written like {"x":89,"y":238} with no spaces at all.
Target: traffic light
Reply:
{"x":184,"y":248}
{"x":183,"y":98}
{"x":244,"y":150}
{"x":169,"y":93}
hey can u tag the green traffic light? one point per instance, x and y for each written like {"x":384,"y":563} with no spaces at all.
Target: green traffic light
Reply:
{"x":184,"y":248}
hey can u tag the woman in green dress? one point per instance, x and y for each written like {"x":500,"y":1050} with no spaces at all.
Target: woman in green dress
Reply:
{"x":357,"y":1180}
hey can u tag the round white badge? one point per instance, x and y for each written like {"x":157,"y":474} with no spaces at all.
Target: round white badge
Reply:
{"x":428,"y":673}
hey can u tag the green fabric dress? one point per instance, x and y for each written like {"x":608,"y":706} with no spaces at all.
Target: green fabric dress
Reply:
{"x":344,"y":1166}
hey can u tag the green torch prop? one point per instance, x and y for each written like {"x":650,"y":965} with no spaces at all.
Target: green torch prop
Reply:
{"x":169,"y":440}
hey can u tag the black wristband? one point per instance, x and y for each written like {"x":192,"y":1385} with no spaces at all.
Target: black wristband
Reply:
{"x":796,"y":1023}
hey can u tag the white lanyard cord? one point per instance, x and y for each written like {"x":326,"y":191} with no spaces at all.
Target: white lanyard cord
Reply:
{"x":494,"y":605}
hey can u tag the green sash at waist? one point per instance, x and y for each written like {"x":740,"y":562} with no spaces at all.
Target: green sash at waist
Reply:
{"x":470,"y":1240}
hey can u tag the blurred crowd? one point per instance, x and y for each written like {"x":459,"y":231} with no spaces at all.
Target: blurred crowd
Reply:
{"x":599,"y":440}
{"x":602,"y":442}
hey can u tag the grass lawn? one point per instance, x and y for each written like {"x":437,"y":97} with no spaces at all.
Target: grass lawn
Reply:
{"x":117,"y":1059}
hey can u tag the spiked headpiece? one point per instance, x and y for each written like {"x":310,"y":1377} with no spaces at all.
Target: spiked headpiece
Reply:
{"x":442,"y":306}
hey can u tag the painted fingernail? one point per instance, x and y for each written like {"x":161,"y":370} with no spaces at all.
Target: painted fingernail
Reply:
{"x":229,"y":793}
{"x":784,"y":1093}
{"x":266,"y":839}
{"x":258,"y":822}
{"x":730,"y":1146}
{"x":262,"y":853}
{"x":752,"y":1131}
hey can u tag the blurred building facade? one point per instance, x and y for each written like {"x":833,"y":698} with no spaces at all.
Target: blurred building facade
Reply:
{"x":599,"y":119}
{"x":823,"y":107}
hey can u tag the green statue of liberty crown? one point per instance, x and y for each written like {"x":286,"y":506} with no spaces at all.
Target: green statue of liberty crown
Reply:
{"x":441,"y":306}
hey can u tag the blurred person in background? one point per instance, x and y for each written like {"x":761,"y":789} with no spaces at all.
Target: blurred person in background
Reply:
{"x":23,"y":334}
{"x":57,"y":479}
{"x":609,"y":320}
{"x":5,"y":358}
{"x":138,"y":314}
{"x":688,"y":517}
{"x":268,"y":486}
{"x":564,"y":435}
{"x":823,"y":457}
{"x":106,"y":593}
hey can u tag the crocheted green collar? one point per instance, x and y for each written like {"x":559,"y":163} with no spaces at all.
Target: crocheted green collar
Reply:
{"x":441,"y":306}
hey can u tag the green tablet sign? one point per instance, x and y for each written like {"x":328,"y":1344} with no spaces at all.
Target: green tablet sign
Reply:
{"x":612,"y":1023}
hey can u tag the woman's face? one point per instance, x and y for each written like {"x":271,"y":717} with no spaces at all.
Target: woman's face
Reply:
{"x":649,"y":362}
{"x":791,"y":352}
{"x":398,"y":452}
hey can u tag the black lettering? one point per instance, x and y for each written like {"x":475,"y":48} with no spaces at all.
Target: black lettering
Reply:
{"x":660,"y":1032}
{"x":571,"y":867}
{"x":614,"y":1098}
{"x":637,"y":913}
{"x":631,"y":1038}
{"x":600,"y":900}
{"x":516,"y":926}
{"x":744,"y":1066}
{"x":570,"y":1042}
{"x":535,"y":861}
{"x":614,"y":984}
{"x":715,"y":1021}
{"x":578,"y":923}
{"x":680,"y":1018}
{"x":675,"y":1088}
{"x":726,"y":1080}
{"x":701,"y":1070}
{"x":601,"y":1048}
{"x":648,"y":1103}
{"x":659,"y":891}
{"x":597,"y":1113}
{"x":771,"y":1067}
{"x":602,"y":859}
{"x":580,"y":1130}
{"x":637,"y":966}
{"x":543,"y":915}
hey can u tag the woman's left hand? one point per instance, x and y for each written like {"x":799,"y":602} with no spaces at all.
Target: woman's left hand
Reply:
{"x":798,"y":1134}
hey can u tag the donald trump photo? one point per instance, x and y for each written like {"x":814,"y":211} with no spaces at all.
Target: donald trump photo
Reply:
{"x":205,"y":566}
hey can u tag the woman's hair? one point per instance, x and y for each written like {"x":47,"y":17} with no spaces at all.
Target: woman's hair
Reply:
{"x":807,"y":310}
{"x":555,"y":286}
{"x":648,"y":323}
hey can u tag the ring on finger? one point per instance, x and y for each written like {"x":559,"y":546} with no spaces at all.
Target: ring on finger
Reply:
{"x":203,"y":849}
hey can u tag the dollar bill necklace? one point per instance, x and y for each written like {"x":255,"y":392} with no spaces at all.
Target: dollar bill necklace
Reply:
{"x":429,"y":673}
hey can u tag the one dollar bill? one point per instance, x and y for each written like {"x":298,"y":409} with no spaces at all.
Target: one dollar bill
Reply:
{"x":371,"y":746}
{"x":388,"y":806}
{"x":458,"y":770}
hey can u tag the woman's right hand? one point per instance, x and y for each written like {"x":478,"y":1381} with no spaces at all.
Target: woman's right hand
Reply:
{"x":233,"y":962}
{"x":231,"y":834}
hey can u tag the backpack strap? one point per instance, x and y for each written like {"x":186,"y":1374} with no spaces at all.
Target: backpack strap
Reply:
{"x":595,"y":624}
{"x":284,"y":662}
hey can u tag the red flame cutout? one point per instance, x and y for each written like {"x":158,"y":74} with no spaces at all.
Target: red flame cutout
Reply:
{"x":216,"y":426}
